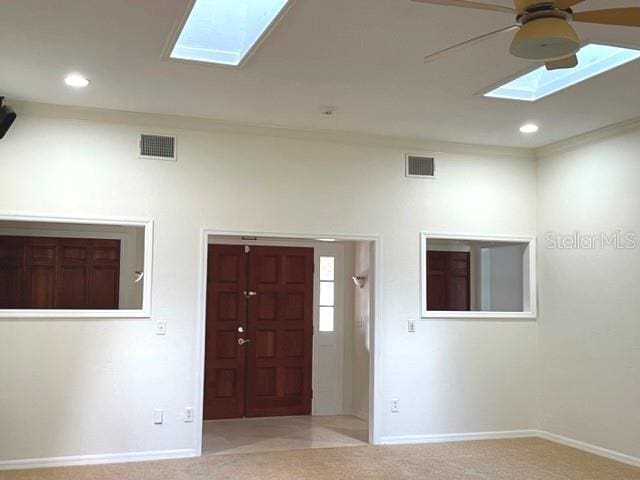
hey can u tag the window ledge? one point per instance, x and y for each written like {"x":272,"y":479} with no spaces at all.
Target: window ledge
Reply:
{"x":433,"y":315}
{"x":71,"y":314}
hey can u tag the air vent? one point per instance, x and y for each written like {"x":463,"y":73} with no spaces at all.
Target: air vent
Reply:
{"x":421,"y":166}
{"x":158,"y":147}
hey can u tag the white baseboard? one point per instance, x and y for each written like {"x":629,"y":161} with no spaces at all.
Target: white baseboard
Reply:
{"x":96,"y":459}
{"x":462,"y":437}
{"x":389,"y":440}
{"x":456,"y":437}
{"x":361,"y":415}
{"x":586,"y":447}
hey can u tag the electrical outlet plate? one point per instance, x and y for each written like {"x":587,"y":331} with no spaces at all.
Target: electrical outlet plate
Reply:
{"x":395,"y":405}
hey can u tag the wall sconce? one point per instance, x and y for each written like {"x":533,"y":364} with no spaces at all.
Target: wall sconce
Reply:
{"x":138,"y":277}
{"x":359,"y":281}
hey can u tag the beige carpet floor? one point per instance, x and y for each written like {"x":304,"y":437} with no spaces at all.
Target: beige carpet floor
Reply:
{"x":521,"y":459}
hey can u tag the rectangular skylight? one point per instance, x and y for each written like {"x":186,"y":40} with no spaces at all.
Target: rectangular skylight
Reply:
{"x":225,"y":31}
{"x":593,"y":60}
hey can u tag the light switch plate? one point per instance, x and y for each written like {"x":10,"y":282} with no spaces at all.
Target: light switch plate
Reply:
{"x":412,"y":326}
{"x":188,"y":415}
{"x":158,"y":417}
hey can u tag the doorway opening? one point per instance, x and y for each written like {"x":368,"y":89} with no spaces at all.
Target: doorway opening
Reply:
{"x":287,"y":343}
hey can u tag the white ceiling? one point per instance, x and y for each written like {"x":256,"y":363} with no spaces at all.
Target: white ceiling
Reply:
{"x":363,"y":56}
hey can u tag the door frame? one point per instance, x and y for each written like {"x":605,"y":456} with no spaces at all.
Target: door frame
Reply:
{"x":374,"y":388}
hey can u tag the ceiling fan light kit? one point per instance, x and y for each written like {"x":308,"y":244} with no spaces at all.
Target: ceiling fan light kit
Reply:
{"x":545,"y":39}
{"x":544,"y":30}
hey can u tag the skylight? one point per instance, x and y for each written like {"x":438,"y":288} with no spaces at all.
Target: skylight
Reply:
{"x":593,"y":60}
{"x":225,"y":31}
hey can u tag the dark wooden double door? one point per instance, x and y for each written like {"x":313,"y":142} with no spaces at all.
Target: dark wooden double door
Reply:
{"x":258,"y":360}
{"x":62,"y":273}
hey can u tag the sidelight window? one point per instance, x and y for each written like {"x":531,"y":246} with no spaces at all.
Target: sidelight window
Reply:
{"x":327,"y":294}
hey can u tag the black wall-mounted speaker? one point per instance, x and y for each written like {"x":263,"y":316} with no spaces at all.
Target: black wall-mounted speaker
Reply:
{"x":7,"y":117}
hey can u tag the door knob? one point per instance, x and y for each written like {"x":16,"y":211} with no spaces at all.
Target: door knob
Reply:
{"x":249,"y":294}
{"x":242,"y":341}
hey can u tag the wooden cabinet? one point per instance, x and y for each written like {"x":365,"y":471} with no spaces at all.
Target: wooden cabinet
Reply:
{"x":11,"y":272}
{"x":448,"y":281}
{"x":104,"y":274}
{"x":41,"y":269}
{"x":62,"y":273}
{"x":74,"y":273}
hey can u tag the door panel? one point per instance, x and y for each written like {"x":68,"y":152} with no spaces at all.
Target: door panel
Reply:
{"x":437,"y":280}
{"x":11,"y":272}
{"x":41,"y":258}
{"x":105,"y":274}
{"x":280,"y":323}
{"x":73,"y":284}
{"x":448,"y":281}
{"x":224,"y":395}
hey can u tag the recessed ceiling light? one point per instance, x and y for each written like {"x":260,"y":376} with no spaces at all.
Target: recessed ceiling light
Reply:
{"x":593,"y":59}
{"x":529,"y":128}
{"x":76,"y":80}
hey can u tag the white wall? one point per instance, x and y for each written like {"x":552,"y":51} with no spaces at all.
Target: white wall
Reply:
{"x":589,"y":303}
{"x":90,"y":387}
{"x":502,"y":278}
{"x":348,"y":297}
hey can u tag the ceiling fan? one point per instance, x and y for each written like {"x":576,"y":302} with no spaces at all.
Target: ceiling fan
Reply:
{"x":543,"y":29}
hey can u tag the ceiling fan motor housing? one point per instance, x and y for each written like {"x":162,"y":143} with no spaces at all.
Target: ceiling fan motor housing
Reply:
{"x":524,"y":5}
{"x":545,"y":39}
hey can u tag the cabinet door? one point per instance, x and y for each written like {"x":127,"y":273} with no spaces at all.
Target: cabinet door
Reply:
{"x":73,"y":276}
{"x":41,"y":258}
{"x":104,"y":276}
{"x":448,"y":281}
{"x":11,"y":272}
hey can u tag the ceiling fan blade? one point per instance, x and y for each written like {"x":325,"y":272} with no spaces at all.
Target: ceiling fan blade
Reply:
{"x":629,"y":17}
{"x":567,"y":62}
{"x":470,"y":4}
{"x":564,"y":4}
{"x":467,"y":43}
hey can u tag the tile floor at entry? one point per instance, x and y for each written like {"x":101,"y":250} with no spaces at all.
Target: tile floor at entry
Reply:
{"x":253,"y":435}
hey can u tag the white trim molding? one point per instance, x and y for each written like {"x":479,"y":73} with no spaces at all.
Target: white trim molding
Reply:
{"x":100,"y":459}
{"x":178,"y":123}
{"x":589,"y":448}
{"x":144,"y":312}
{"x":598,"y":135}
{"x":529,"y":285}
{"x":97,"y":459}
{"x":375,"y":414}
{"x":510,"y":434}
{"x":456,"y":437}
